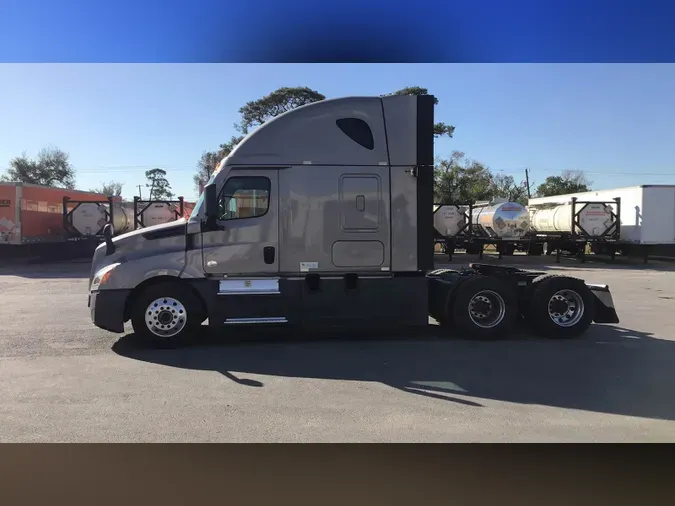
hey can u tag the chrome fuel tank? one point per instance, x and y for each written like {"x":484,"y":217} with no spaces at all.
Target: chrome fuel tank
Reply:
{"x":506,"y":220}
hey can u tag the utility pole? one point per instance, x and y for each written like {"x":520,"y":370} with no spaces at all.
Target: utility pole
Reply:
{"x":527,"y":182}
{"x":140,"y":196}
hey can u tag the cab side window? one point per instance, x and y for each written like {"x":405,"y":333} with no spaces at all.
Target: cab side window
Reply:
{"x":244,"y":197}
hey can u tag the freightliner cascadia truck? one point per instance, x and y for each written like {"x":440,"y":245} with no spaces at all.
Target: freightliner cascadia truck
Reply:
{"x":323,"y":217}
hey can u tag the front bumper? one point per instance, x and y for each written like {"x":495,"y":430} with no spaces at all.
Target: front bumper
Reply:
{"x":605,"y":312}
{"x":107,"y":309}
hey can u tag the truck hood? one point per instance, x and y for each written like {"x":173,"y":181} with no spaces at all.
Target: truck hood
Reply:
{"x":155,"y":240}
{"x":172,"y":225}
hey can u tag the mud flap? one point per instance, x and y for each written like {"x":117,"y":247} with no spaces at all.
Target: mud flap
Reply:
{"x":605,"y":312}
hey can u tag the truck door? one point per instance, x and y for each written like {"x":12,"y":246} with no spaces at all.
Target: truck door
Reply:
{"x":243,"y":254}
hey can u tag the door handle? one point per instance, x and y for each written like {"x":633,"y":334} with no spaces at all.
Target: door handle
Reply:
{"x":269,"y":254}
{"x":360,"y":203}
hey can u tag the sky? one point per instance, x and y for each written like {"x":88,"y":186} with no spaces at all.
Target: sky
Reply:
{"x":616,"y":122}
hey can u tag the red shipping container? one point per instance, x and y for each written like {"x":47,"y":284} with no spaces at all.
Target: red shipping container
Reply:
{"x":34,"y":213}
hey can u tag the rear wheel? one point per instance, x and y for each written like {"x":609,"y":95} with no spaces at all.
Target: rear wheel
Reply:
{"x":167,"y":315}
{"x":483,"y":307}
{"x":560,"y":306}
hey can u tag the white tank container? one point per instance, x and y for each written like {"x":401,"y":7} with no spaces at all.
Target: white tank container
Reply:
{"x":595,"y":219}
{"x":89,"y":218}
{"x":506,"y":220}
{"x":449,"y":220}
{"x":156,"y":213}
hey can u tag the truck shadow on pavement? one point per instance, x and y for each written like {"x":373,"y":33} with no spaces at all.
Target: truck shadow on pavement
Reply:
{"x":611,"y":370}
{"x":55,"y":270}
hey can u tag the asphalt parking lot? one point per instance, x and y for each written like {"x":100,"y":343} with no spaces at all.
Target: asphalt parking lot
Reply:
{"x":66,"y":381}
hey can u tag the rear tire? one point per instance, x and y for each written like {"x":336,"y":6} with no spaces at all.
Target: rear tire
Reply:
{"x":167,"y":315}
{"x":560,"y":307}
{"x":482,"y":307}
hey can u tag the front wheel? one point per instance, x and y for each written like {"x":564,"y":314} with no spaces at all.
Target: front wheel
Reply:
{"x":167,"y":315}
{"x":560,"y":306}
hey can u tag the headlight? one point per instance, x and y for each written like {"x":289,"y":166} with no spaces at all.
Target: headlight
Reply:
{"x":102,"y":276}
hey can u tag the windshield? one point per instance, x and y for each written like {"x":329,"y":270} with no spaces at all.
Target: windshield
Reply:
{"x":197,"y":211}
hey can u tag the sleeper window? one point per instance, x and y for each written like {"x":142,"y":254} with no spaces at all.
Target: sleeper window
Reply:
{"x":358,"y":131}
{"x":244,"y":197}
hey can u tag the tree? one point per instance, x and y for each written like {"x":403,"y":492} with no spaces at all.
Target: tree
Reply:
{"x":51,"y":168}
{"x":210,"y":160}
{"x":571,"y":181}
{"x":440,"y":129}
{"x":111,"y":189}
{"x":505,"y":186}
{"x":160,"y":188}
{"x":462,"y":181}
{"x":256,"y":112}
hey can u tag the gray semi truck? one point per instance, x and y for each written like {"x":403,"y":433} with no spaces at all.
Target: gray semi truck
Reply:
{"x":323,"y":217}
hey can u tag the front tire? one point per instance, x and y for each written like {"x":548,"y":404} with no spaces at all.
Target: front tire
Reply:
{"x":560,"y":306}
{"x":483,"y":307}
{"x":167,"y":315}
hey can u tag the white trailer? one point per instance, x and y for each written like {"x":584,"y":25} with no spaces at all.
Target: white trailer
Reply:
{"x":645,"y":217}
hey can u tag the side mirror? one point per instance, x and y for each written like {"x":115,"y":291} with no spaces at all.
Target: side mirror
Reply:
{"x":108,"y":233}
{"x":211,"y":201}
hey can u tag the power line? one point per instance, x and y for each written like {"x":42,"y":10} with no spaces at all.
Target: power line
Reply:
{"x":587,"y":172}
{"x":134,"y":168}
{"x":120,"y":169}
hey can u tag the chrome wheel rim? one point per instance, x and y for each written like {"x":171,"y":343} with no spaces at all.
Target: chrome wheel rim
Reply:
{"x":566,"y":308}
{"x":165,"y":317}
{"x":487,"y":309}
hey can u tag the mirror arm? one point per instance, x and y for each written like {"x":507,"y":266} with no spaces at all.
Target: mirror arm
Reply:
{"x":209,"y":224}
